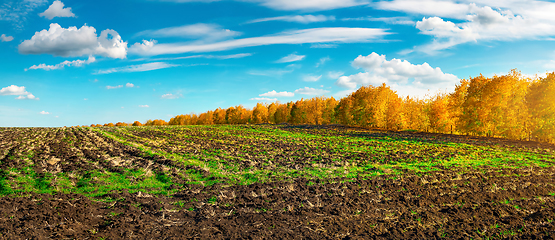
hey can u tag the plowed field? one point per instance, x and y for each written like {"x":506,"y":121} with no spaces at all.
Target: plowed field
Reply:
{"x":271,"y":182}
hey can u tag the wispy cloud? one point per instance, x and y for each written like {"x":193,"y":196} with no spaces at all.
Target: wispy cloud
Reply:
{"x":129,"y":85}
{"x":293,"y":57}
{"x":144,"y":106}
{"x":221,"y":57}
{"x":273,"y":93}
{"x":314,"y":35}
{"x":5,"y":38}
{"x":311,"y":91}
{"x":311,"y":78}
{"x":171,"y":96}
{"x":296,"y":18}
{"x":322,"y":61}
{"x":114,"y":87}
{"x":274,"y":72}
{"x":200,"y":31}
{"x":139,"y":68}
{"x":74,"y":63}
{"x":44,"y":113}
{"x":389,"y":20}
{"x":264,"y":99}
{"x":308,"y":5}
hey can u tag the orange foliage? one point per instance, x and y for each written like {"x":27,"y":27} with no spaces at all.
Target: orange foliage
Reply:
{"x":509,"y":106}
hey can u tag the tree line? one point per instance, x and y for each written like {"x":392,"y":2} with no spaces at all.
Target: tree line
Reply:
{"x":510,"y":106}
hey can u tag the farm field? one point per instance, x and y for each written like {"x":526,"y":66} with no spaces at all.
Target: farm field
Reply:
{"x":271,"y":181}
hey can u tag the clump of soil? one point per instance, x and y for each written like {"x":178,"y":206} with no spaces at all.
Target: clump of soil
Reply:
{"x":501,"y":204}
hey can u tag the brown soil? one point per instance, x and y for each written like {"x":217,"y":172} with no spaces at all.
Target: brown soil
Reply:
{"x":443,"y":204}
{"x":490,"y":203}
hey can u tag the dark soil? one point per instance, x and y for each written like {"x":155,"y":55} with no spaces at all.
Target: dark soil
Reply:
{"x":452,"y":204}
{"x":505,"y":204}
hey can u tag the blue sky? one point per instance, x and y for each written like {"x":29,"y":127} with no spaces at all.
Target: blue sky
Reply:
{"x":67,"y":62}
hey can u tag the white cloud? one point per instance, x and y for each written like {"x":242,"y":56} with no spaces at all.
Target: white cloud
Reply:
{"x":314,"y":35}
{"x":273,"y":93}
{"x":310,"y":78}
{"x":74,"y":63}
{"x":17,"y":90}
{"x":13,"y":90}
{"x":407,"y":78}
{"x":311,"y":91}
{"x":85,"y":99}
{"x":129,"y":85}
{"x":144,"y":106}
{"x":439,"y":8}
{"x":388,"y":20}
{"x":139,"y":68}
{"x":314,"y":5}
{"x":264,"y":99}
{"x":5,"y":38}
{"x":221,"y":57}
{"x":171,"y":96}
{"x":202,"y":31}
{"x":274,"y":72}
{"x":483,"y":20}
{"x":57,"y":10}
{"x":16,"y":11}
{"x":335,"y":75}
{"x":44,"y":113}
{"x":29,"y":96}
{"x":322,"y":61}
{"x":72,"y":41}
{"x":297,"y":18}
{"x":293,"y":57}
{"x":114,"y":87}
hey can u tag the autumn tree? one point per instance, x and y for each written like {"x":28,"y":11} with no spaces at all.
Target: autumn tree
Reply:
{"x":541,"y":106}
{"x":219,"y":116}
{"x":137,"y":124}
{"x":259,"y":114}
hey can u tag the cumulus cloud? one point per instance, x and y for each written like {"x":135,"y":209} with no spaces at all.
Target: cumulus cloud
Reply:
{"x":5,"y":38}
{"x":57,"y":10}
{"x":74,"y":63}
{"x":293,"y":57}
{"x":171,"y":96}
{"x":264,"y":99}
{"x":114,"y":87}
{"x":129,"y":85}
{"x":314,"y":35}
{"x":314,"y":5}
{"x":311,"y":91}
{"x":399,"y":74}
{"x":273,"y":93}
{"x":139,"y":68}
{"x":44,"y":113}
{"x":477,"y":21}
{"x":72,"y":41}
{"x":143,"y":106}
{"x":311,"y":78}
{"x":296,"y":18}
{"x":202,"y":31}
{"x":17,"y":90}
